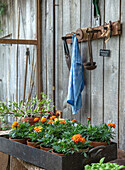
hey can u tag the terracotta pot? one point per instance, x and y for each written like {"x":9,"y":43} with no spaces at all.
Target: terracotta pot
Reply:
{"x":83,"y":150}
{"x":56,"y":153}
{"x":33,"y":144}
{"x":44,"y":148}
{"x":30,"y":119}
{"x":23,"y":141}
{"x":95,"y":144}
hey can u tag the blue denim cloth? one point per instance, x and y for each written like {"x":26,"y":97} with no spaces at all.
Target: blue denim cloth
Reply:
{"x":76,"y":78}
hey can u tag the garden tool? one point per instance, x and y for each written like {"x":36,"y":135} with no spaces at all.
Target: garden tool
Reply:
{"x":90,"y":65}
{"x":96,"y":13}
{"x":67,"y":55}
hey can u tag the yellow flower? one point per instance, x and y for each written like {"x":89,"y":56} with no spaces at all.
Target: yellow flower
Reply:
{"x":38,"y":128}
{"x":43,"y":120}
{"x":15,"y":124}
{"x":82,"y":139}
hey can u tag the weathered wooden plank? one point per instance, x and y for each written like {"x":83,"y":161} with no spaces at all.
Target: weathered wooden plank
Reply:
{"x":15,"y":164}
{"x":122,"y":82}
{"x":49,"y":48}
{"x":111,"y":69}
{"x":4,"y":161}
{"x":59,"y":54}
{"x":97,"y":75}
{"x":16,"y":41}
{"x":85,"y":22}
{"x":43,"y":46}
{"x":66,"y":28}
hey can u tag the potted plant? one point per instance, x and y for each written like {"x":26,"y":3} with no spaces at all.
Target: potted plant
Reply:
{"x":104,"y":166}
{"x":19,"y":132}
{"x":100,"y":134}
{"x":34,"y":136}
{"x":64,"y":147}
{"x":35,"y":108}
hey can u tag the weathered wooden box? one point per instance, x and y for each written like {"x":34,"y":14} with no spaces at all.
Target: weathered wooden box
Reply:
{"x":51,"y":161}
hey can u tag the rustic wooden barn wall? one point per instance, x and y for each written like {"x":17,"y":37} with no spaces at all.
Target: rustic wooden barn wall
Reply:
{"x":103,"y":94}
{"x":8,"y":53}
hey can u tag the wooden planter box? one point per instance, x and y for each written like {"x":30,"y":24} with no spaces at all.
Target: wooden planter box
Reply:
{"x":51,"y":161}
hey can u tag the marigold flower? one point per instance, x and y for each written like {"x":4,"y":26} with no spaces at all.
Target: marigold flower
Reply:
{"x":53,"y":117}
{"x":38,"y":128}
{"x":50,"y":121}
{"x":43,"y":120}
{"x":76,"y":138}
{"x":89,"y":118}
{"x":74,"y":120}
{"x":36,"y":119}
{"x":15,"y":124}
{"x":63,"y":121}
{"x":82,"y":139}
{"x":111,"y":125}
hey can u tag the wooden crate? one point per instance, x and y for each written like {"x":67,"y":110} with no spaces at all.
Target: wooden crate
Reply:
{"x":51,"y":161}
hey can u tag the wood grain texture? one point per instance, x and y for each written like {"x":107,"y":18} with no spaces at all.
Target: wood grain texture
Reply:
{"x":97,"y":75}
{"x":66,"y":28}
{"x":4,"y":161}
{"x":122,"y":82}
{"x":85,"y":22}
{"x":111,"y":65}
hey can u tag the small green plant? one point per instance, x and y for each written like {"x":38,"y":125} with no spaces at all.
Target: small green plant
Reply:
{"x":19,"y":130}
{"x":36,"y":134}
{"x":65,"y":146}
{"x":103,"y":166}
{"x":4,"y":111}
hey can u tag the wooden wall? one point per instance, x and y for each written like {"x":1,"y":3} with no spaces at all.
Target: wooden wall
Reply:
{"x":8,"y":53}
{"x":103,"y":94}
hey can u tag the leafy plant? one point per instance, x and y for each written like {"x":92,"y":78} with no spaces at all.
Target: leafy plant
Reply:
{"x":103,"y":166}
{"x":36,"y":134}
{"x":66,"y":146}
{"x":47,"y":140}
{"x":100,"y":133}
{"x":4,"y":111}
{"x":19,"y":130}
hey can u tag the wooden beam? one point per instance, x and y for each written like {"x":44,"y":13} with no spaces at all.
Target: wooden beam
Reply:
{"x":16,"y":41}
{"x":39,"y":52}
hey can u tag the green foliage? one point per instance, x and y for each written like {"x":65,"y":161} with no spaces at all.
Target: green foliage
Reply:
{"x":66,"y":146}
{"x":47,"y":140}
{"x":4,"y":111}
{"x":103,"y":166}
{"x":100,"y":133}
{"x":3,"y":6}
{"x":20,"y":132}
{"x":35,"y":136}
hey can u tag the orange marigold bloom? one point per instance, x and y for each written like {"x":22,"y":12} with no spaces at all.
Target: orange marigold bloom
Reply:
{"x":74,"y":120}
{"x":111,"y":125}
{"x":76,"y":138}
{"x":50,"y":121}
{"x":53,"y":117}
{"x":82,"y":139}
{"x":38,"y":128}
{"x":89,"y":118}
{"x":63,"y":121}
{"x":15,"y":124}
{"x":36,"y":119}
{"x":43,"y":120}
